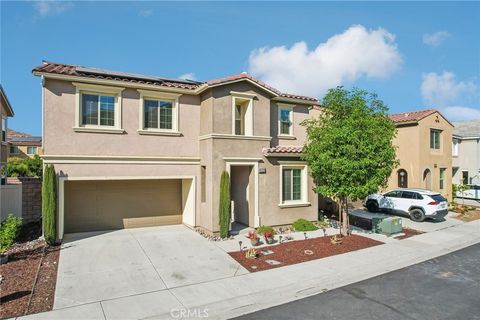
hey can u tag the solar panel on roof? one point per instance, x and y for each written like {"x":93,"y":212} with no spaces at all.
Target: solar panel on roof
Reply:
{"x":131,"y":75}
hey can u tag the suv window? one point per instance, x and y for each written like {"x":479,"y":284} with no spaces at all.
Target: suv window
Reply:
{"x":438,"y":198}
{"x":394,"y":194}
{"x":409,"y":195}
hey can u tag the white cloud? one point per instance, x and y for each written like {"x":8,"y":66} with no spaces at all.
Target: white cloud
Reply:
{"x":444,"y":89}
{"x":461,"y":113}
{"x":435,"y":39}
{"x":51,"y":7}
{"x":145,"y":13}
{"x":188,"y":76}
{"x":444,"y":92}
{"x":343,"y":58}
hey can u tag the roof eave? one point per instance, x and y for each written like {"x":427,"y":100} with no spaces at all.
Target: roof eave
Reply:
{"x":296,"y":100}
{"x":273,"y":93}
{"x":283,"y":154}
{"x":10,"y":112}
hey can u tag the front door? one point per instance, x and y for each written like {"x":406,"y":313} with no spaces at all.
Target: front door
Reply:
{"x":242,"y":195}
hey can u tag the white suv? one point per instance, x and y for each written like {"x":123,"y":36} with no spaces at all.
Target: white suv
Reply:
{"x":419,"y":204}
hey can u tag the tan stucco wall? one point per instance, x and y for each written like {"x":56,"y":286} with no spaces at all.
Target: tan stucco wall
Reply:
{"x":22,"y":152}
{"x":60,"y":120}
{"x":415,"y":155}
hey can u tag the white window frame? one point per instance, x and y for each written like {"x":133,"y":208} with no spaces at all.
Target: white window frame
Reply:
{"x":455,"y":143}
{"x":304,"y":186}
{"x":32,"y":154}
{"x":434,"y":147}
{"x":290,"y":109}
{"x":164,"y":96}
{"x":248,"y":117}
{"x":84,"y":88}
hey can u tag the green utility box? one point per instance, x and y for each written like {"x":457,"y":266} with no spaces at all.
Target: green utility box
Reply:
{"x":387,"y":226}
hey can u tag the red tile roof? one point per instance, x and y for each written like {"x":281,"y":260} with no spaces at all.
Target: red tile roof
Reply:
{"x":283,"y":149}
{"x":79,"y":71}
{"x":411,"y":116}
{"x":71,"y":70}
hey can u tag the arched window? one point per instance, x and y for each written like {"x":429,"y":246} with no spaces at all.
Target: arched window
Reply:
{"x":402,"y":178}
{"x":427,"y":179}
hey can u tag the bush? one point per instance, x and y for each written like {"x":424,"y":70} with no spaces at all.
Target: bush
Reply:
{"x":304,"y":225}
{"x":9,"y":231}
{"x":263,"y":229}
{"x":49,"y":204}
{"x":224,"y":210}
{"x":26,"y":167}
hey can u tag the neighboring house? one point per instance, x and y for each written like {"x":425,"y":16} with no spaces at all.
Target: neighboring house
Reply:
{"x":466,"y":152}
{"x":22,"y":145}
{"x":134,"y":150}
{"x":424,"y":150}
{"x":6,"y":111}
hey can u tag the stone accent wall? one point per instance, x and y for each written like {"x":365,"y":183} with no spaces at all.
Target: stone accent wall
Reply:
{"x":31,"y":198}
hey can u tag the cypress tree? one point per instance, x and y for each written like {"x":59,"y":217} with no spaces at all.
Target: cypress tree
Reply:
{"x":224,"y":210}
{"x":49,"y":204}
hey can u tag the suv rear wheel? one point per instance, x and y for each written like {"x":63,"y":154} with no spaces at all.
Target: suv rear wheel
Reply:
{"x":372,"y":206}
{"x":417,"y":215}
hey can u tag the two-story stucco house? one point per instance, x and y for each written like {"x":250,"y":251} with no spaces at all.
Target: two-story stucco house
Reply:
{"x":23,"y":145}
{"x":466,"y":152}
{"x":424,"y":150}
{"x":134,"y":150}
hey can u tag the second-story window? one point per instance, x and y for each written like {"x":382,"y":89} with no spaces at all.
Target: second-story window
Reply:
{"x":455,"y":148}
{"x":98,"y":110}
{"x":285,"y":122}
{"x":242,"y":115}
{"x":435,"y":139}
{"x":158,"y":114}
{"x":4,"y":129}
{"x":32,"y":150}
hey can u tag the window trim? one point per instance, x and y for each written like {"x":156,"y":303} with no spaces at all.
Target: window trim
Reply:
{"x":288,"y":107}
{"x":455,"y":143}
{"x":17,"y":150}
{"x":304,"y":184}
{"x":441,"y":179}
{"x":155,"y":95}
{"x":84,"y":88}
{"x":248,"y":118}
{"x":32,"y":154}
{"x":3,"y":137}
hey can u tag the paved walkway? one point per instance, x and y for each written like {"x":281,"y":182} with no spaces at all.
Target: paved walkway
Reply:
{"x":241,"y":294}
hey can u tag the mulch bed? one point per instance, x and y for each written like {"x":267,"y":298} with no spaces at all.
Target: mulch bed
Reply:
{"x":19,"y":294}
{"x":469,"y":216}
{"x":409,"y":233}
{"x":298,"y":251}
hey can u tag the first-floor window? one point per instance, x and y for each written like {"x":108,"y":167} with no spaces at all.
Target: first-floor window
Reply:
{"x":98,"y":110}
{"x":465,"y":177}
{"x":292,"y":184}
{"x":14,"y":150}
{"x":158,"y":114}
{"x":32,"y":150}
{"x":442,"y":178}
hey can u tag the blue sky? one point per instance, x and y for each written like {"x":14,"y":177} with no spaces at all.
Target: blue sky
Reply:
{"x":414,"y":55}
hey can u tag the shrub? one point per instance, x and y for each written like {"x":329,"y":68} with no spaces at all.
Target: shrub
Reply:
{"x":9,"y":231}
{"x":304,"y":225}
{"x":224,"y":210}
{"x":262,"y":229}
{"x":49,"y":204}
{"x":26,"y":167}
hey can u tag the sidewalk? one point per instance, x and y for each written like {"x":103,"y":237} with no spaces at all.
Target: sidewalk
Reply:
{"x":234,"y":296}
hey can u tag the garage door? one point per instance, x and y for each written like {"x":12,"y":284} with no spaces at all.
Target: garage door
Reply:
{"x":117,"y":204}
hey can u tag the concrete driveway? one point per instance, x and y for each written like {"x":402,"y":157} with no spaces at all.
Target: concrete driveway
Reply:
{"x":98,"y":266}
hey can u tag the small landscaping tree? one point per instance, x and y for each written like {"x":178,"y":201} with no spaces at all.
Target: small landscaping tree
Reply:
{"x":349,"y":147}
{"x":224,"y":210}
{"x":49,"y":204}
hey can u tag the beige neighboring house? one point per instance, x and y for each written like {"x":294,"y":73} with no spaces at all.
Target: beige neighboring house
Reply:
{"x":6,"y":111}
{"x":133,"y":150}
{"x":23,"y":145}
{"x":424,"y":149}
{"x":466,"y":152}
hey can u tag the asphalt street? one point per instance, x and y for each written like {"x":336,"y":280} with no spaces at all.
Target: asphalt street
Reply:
{"x":447,"y":287}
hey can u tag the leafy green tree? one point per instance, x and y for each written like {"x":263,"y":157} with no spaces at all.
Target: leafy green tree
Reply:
{"x":224,"y":210}
{"x":26,"y":167}
{"x":349,"y":147}
{"x":49,"y":204}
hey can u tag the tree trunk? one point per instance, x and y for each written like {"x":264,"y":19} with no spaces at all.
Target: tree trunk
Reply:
{"x":343,"y":217}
